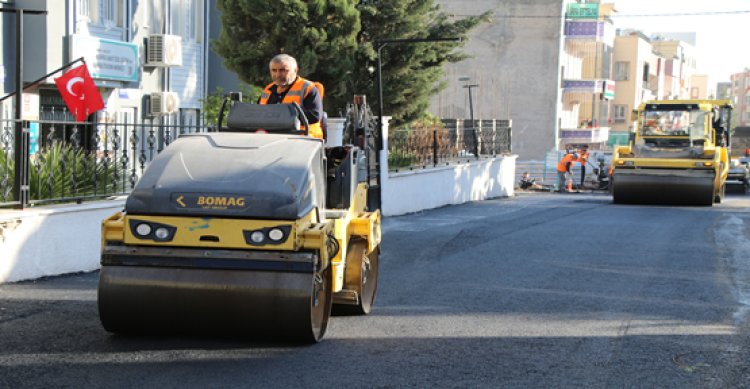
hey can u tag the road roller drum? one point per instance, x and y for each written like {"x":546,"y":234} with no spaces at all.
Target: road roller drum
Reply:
{"x":229,"y":234}
{"x":679,"y":154}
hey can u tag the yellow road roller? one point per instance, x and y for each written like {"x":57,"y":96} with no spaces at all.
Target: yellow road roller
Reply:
{"x":254,"y":230}
{"x":677,"y":155}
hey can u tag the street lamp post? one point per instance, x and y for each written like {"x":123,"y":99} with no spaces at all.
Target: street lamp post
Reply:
{"x":471,"y":116}
{"x":471,"y":112}
{"x":379,"y":45}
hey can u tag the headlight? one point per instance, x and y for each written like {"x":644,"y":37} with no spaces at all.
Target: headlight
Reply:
{"x":143,"y":229}
{"x":161,"y":233}
{"x":268,"y":235}
{"x":152,"y":230}
{"x":257,"y":237}
{"x":276,"y":234}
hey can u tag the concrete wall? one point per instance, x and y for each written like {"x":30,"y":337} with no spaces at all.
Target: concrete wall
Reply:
{"x":48,"y":241}
{"x":516,"y":62}
{"x":414,"y":191}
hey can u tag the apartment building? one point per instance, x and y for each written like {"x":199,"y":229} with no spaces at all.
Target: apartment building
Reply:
{"x":546,"y":64}
{"x":147,"y":58}
{"x":740,"y":94}
{"x":586,"y":72}
{"x":515,"y":61}
{"x":633,"y":59}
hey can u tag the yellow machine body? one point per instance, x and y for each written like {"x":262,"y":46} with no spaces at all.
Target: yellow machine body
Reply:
{"x":242,"y":233}
{"x":678,"y":154}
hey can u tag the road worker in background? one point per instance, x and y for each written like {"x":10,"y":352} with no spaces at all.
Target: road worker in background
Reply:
{"x":583,"y":157}
{"x":564,"y":175}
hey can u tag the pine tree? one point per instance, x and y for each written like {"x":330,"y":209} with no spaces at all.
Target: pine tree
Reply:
{"x":410,"y":71}
{"x":320,"y":34}
{"x":334,"y":43}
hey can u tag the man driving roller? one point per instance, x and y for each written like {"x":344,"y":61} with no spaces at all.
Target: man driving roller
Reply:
{"x":287,"y":87}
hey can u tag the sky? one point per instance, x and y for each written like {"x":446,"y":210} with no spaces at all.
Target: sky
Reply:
{"x":721,"y":47}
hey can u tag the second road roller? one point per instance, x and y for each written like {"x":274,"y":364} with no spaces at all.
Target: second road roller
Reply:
{"x":679,"y":154}
{"x":255,"y":230}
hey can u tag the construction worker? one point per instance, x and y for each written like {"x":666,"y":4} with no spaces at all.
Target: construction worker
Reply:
{"x":287,"y":88}
{"x":583,"y":154}
{"x":564,"y":176}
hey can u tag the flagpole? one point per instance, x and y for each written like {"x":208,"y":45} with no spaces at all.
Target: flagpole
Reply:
{"x":40,"y":79}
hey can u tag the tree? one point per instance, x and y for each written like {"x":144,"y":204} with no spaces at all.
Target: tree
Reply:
{"x":334,"y":43}
{"x":320,"y":34}
{"x":410,"y":72}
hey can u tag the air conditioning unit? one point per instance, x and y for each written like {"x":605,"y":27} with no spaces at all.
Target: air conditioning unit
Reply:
{"x":164,"y":50}
{"x":163,"y":103}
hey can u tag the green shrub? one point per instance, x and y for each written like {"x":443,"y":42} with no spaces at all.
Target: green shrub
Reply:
{"x":63,"y":172}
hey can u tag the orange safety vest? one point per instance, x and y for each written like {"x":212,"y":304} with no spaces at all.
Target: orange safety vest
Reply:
{"x":583,"y":157}
{"x":296,"y":94}
{"x":562,"y":166}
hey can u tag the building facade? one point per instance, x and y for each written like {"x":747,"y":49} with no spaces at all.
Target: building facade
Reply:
{"x":147,"y":58}
{"x":515,"y":63}
{"x":740,"y":95}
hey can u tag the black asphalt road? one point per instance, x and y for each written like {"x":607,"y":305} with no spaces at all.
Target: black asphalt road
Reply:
{"x":538,"y":290}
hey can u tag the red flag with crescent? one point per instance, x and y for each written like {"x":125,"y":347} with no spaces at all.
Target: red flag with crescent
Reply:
{"x":79,"y":92}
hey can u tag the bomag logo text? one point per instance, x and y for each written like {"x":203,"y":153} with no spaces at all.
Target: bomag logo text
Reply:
{"x":221,"y":201}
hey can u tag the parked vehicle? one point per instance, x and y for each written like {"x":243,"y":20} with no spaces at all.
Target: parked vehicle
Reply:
{"x":739,"y":174}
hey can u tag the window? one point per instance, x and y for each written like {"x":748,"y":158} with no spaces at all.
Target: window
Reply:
{"x":83,"y":8}
{"x":621,"y":113}
{"x":646,"y":68}
{"x":107,"y":13}
{"x":695,"y":92}
{"x":186,"y":19}
{"x":621,"y":71}
{"x":747,"y":100}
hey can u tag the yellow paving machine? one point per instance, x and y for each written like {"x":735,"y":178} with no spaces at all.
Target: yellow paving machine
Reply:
{"x":255,"y":230}
{"x":679,"y":154}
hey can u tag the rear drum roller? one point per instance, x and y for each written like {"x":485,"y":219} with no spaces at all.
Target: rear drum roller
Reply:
{"x":361,"y":276}
{"x":320,"y":305}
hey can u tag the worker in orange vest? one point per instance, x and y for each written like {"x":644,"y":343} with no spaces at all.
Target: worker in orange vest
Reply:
{"x":287,"y":88}
{"x":564,"y":176}
{"x":583,"y":156}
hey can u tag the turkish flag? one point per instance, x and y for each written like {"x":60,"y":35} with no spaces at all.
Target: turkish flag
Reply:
{"x":79,"y":92}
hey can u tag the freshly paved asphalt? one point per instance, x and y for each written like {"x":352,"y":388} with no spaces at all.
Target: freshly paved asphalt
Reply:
{"x":538,"y":290}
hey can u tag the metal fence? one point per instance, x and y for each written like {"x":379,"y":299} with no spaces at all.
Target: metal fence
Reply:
{"x":459,"y":141}
{"x":61,"y":160}
{"x":70,"y":161}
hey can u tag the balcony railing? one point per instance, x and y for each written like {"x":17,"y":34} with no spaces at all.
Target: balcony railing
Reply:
{"x":419,"y":148}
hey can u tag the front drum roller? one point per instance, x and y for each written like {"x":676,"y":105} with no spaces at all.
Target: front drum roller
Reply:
{"x":663,"y":186}
{"x":143,"y":293}
{"x":361,"y":276}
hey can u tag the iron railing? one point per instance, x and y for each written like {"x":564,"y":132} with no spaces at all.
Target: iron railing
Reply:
{"x":72,"y":161}
{"x":419,"y":148}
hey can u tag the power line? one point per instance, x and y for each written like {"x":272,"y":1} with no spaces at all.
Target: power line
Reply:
{"x":715,"y":13}
{"x":674,"y":14}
